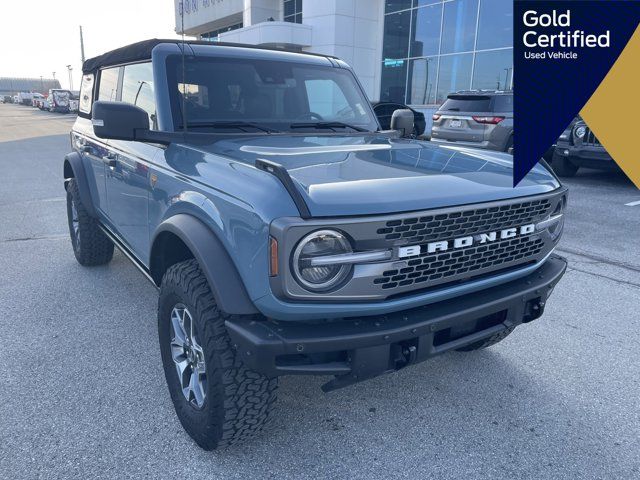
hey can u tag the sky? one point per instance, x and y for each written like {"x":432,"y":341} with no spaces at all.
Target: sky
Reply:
{"x":43,"y":35}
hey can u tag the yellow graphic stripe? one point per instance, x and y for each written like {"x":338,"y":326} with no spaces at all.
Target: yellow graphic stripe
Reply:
{"x":612,"y":111}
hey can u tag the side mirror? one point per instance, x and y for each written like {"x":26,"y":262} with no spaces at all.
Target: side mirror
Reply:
{"x":119,"y":121}
{"x":402,"y":120}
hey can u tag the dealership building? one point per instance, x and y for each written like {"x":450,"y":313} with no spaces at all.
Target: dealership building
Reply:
{"x":13,"y":86}
{"x":405,"y":51}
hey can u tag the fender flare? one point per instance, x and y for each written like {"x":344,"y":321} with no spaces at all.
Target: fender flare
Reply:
{"x":224,"y":280}
{"x":73,"y":161}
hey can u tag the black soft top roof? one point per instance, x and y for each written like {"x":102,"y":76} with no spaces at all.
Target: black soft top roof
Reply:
{"x":142,"y":51}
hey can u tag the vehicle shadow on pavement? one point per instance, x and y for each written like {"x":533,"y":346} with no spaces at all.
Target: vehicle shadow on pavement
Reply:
{"x":592,"y":177}
{"x":479,"y":410}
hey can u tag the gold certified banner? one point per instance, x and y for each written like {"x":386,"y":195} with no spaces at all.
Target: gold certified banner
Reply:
{"x":612,"y":111}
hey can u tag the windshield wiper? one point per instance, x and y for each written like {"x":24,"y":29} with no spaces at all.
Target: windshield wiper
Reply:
{"x":231,"y":124}
{"x":331,"y":125}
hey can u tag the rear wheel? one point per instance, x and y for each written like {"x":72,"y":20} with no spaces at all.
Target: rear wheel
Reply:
{"x":219,"y":401}
{"x":90,"y":245}
{"x":563,"y":166}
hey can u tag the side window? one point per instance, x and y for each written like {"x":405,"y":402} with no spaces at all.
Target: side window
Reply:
{"x":327,"y":99}
{"x":108,"y":84}
{"x":137,"y":89}
{"x":384,"y":113}
{"x":86,"y":94}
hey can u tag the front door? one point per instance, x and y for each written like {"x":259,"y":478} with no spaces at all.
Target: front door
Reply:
{"x":127,"y":164}
{"x":128,"y":186}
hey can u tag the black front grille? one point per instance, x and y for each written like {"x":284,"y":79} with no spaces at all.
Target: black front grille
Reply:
{"x":465,"y":222}
{"x":430,"y":269}
{"x":590,"y":139}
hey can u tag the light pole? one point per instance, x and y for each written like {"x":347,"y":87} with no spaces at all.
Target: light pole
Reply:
{"x":506,"y":79}
{"x":81,"y":45}
{"x":41,"y":85}
{"x":70,"y":69}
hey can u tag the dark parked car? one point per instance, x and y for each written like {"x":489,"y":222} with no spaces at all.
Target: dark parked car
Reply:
{"x":579,"y":147}
{"x":287,"y":233}
{"x":478,"y":119}
{"x":384,"y":112}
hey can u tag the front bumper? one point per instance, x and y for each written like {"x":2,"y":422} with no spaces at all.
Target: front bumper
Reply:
{"x":586,"y":155}
{"x":360,"y":348}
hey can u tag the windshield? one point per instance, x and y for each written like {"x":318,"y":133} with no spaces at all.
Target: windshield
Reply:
{"x":267,"y":96}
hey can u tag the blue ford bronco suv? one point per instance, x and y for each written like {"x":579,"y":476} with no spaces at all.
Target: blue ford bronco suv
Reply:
{"x":288,"y":234}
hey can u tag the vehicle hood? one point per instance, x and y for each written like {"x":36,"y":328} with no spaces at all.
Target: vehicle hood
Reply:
{"x":376,"y":174}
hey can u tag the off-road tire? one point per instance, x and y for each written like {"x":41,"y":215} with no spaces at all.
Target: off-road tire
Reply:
{"x":563,"y":166}
{"x":487,"y":342}
{"x":238,"y":400}
{"x":93,"y":247}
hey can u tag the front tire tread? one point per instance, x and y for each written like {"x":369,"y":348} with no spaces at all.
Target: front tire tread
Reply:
{"x":240,"y":399}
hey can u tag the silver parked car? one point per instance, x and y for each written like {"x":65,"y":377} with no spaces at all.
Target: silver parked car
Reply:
{"x":478,"y":118}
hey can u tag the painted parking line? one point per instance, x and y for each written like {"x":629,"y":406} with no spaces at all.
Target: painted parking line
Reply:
{"x":633,"y":204}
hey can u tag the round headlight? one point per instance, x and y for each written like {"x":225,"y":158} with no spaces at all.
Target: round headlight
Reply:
{"x":320,"y":244}
{"x":556,"y":230}
{"x":580,"y":131}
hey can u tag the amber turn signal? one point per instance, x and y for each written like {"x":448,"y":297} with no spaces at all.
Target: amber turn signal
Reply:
{"x":273,"y":257}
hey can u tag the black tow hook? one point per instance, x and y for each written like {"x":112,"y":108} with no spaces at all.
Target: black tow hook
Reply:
{"x":533,"y":310}
{"x":410,"y":353}
{"x":405,"y":353}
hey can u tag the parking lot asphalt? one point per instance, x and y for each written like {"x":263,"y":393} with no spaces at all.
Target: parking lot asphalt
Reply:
{"x":82,"y":392}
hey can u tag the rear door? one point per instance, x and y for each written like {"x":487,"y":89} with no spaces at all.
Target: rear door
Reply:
{"x":456,"y":118}
{"x":93,"y":149}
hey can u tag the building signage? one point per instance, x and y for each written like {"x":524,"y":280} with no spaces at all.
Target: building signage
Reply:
{"x":189,"y":6}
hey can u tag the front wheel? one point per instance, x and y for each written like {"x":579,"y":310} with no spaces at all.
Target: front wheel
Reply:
{"x":219,"y":401}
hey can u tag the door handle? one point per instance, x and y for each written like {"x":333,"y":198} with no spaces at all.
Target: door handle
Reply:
{"x":110,"y":160}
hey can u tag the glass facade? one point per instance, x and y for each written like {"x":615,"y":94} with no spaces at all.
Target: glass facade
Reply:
{"x":292,"y":11}
{"x":435,"y":47}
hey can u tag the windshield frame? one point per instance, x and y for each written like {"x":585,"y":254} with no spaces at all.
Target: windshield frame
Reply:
{"x":173,"y":65}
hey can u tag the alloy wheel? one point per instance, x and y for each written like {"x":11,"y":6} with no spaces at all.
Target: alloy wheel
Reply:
{"x":188,"y":356}
{"x":75,"y":225}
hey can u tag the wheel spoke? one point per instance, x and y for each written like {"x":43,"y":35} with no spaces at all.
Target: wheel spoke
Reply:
{"x":186,"y":391}
{"x":197,"y":388}
{"x":177,"y":324}
{"x":184,"y":372}
{"x":177,"y":352}
{"x":178,"y":330}
{"x":190,"y":331}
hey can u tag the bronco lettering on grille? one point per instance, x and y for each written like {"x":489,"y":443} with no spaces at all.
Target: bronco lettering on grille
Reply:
{"x":462,"y":242}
